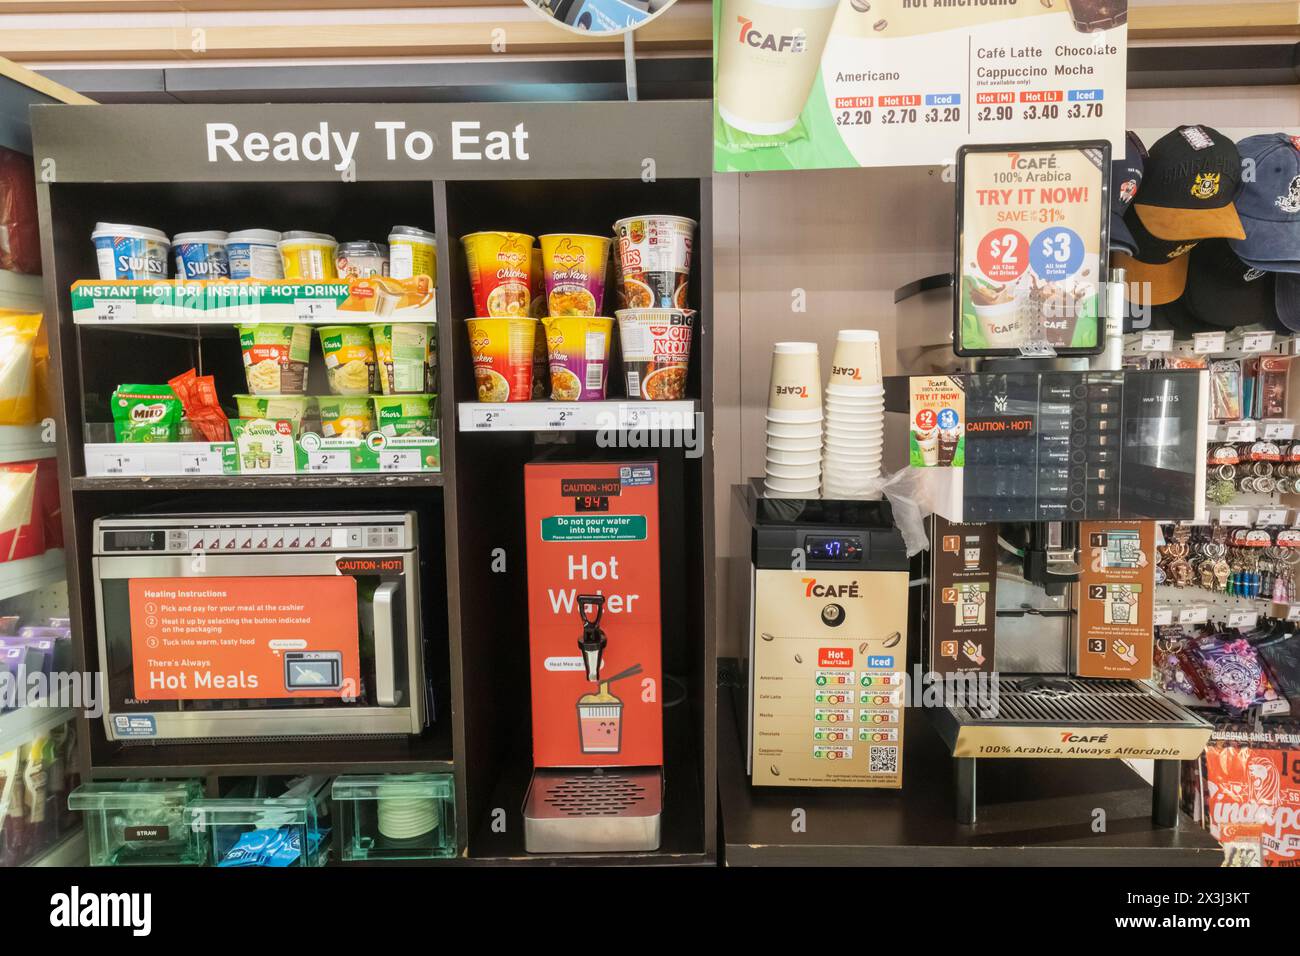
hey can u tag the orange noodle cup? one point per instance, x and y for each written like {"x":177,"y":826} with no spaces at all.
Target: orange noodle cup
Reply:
{"x":578,"y":346}
{"x":502,"y":351}
{"x":574,"y":269}
{"x":656,"y":351}
{"x":654,"y":254}
{"x":500,"y":273}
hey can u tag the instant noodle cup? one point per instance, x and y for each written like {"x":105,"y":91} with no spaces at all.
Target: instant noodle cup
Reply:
{"x":349,"y":358}
{"x":500,"y":273}
{"x":578,"y":350}
{"x":574,"y":271}
{"x":404,"y":357}
{"x":276,"y":408}
{"x":537,"y":286}
{"x":345,"y":416}
{"x":502,"y":351}
{"x":656,"y":351}
{"x":655,"y":255}
{"x":308,"y":255}
{"x":403,"y":415}
{"x":275,"y":358}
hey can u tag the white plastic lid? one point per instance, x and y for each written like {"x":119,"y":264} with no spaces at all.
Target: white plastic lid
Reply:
{"x":858,"y":335}
{"x":120,"y":229}
{"x":268,"y":236}
{"x":411,"y":234}
{"x":795,"y":348}
{"x":298,"y":235}
{"x":214,"y":236}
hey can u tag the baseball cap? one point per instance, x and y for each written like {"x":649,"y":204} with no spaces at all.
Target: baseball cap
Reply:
{"x":1286,"y":296}
{"x":1190,"y":179}
{"x":1151,"y":283}
{"x":1175,"y":315}
{"x":1125,"y":178}
{"x":1269,"y":203}
{"x":1226,"y":292}
{"x":1153,"y":249}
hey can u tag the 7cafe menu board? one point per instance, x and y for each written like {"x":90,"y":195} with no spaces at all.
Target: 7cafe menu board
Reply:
{"x":817,"y":84}
{"x":1032,"y":226}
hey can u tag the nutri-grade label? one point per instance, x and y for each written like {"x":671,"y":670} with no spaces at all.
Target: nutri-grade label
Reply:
{"x":833,"y":715}
{"x":833,"y":734}
{"x":832,"y":752}
{"x":877,"y":715}
{"x":877,"y":735}
{"x":835,"y":678}
{"x":826,"y":696}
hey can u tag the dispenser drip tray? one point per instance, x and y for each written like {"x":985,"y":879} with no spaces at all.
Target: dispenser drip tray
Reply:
{"x":593,"y":811}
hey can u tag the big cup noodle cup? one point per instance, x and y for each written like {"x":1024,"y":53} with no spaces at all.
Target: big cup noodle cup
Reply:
{"x":502,"y":352}
{"x":404,"y":357}
{"x":578,"y":356}
{"x":655,"y":258}
{"x":349,"y":352}
{"x":275,"y":358}
{"x":795,"y":392}
{"x":656,"y":351}
{"x":412,"y":252}
{"x":276,"y":408}
{"x":573,"y":268}
{"x":308,"y":255}
{"x":130,"y":252}
{"x":856,"y":361}
{"x":769,"y":53}
{"x":500,"y":273}
{"x":403,"y":416}
{"x":345,"y":416}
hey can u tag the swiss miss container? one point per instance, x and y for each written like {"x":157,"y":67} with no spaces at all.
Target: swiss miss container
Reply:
{"x":130,"y":252}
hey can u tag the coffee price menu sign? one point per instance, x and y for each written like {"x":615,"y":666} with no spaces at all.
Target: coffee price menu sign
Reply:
{"x":817,"y":84}
{"x":1032,"y":224}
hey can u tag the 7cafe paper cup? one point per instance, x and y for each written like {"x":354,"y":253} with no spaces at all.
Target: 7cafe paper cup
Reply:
{"x":806,"y":485}
{"x":776,"y":456}
{"x":795,"y":394}
{"x":794,"y":429}
{"x":856,"y":362}
{"x":794,"y":472}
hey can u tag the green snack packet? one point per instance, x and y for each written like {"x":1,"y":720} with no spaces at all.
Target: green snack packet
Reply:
{"x":146,"y":413}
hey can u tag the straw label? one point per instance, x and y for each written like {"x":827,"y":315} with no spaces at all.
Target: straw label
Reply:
{"x":937,"y":416}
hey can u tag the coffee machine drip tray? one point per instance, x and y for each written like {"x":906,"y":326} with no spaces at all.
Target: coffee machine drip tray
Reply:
{"x":598,"y":810}
{"x":1049,"y":716}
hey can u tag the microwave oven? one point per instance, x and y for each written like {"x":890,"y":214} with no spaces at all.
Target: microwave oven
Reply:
{"x":259,"y":625}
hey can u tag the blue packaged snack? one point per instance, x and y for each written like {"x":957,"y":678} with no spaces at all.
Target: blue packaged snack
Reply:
{"x":130,"y":252}
{"x":201,"y":255}
{"x":281,"y":847}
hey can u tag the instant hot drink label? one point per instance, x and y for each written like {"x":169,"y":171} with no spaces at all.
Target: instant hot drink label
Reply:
{"x":963,"y":597}
{"x":937,"y":422}
{"x":1116,"y":590}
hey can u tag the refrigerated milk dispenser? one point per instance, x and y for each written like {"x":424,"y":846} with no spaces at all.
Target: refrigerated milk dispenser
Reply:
{"x":594,"y":644}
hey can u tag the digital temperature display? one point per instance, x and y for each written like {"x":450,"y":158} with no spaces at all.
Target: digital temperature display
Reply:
{"x":833,"y":547}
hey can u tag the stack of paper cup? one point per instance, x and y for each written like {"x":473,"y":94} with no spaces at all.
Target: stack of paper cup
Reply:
{"x":855,"y":416}
{"x":794,"y":422}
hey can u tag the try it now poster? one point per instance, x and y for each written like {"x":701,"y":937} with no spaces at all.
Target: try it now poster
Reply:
{"x":818,"y":84}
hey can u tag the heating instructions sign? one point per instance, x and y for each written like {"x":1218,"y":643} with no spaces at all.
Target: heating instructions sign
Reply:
{"x":816,"y":84}
{"x":245,"y":638}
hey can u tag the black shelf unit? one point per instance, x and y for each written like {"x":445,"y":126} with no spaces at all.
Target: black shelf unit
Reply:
{"x":586,"y":168}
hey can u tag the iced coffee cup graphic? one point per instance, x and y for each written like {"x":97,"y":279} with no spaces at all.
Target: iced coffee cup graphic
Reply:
{"x":1000,"y":311}
{"x":769,"y":52}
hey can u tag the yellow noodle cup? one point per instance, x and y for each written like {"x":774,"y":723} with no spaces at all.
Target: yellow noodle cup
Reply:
{"x":502,"y":353}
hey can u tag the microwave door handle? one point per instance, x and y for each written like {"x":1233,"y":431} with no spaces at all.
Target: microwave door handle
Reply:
{"x":385,"y":647}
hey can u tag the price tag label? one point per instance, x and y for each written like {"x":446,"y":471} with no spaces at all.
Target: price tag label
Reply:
{"x":1193,"y":615}
{"x":1271,"y":516}
{"x":1257,"y":342}
{"x":1240,"y":619}
{"x":1205,"y":343}
{"x":405,"y":459}
{"x":1236,"y":517}
{"x":486,"y":418}
{"x":1161,"y":616}
{"x":1157,"y":341}
{"x":560,"y":417}
{"x":1272,"y":707}
{"x":633,"y":416}
{"x":200,"y":463}
{"x":313,"y":310}
{"x":1241,"y":431}
{"x":114,"y":310}
{"x":1279,"y":431}
{"x":329,"y":461}
{"x":123,"y":464}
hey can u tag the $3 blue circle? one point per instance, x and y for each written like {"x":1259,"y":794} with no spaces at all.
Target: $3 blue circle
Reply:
{"x":947,"y":418}
{"x":1056,"y":253}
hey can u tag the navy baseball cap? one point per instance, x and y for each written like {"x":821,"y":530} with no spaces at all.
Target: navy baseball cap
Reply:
{"x":1125,"y":179}
{"x":1225,"y":292}
{"x":1287,"y":293}
{"x":1269,"y":202}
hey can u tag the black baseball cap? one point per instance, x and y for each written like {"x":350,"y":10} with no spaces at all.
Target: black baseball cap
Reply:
{"x":1125,"y":179}
{"x":1269,"y":202}
{"x":1175,"y":315}
{"x":1150,"y":283}
{"x":1286,"y":296}
{"x":1191,"y":177}
{"x":1226,"y":292}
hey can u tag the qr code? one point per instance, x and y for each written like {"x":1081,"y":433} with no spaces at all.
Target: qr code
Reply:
{"x":883,"y":759}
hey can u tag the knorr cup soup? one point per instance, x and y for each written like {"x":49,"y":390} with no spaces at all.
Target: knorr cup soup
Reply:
{"x":500,"y":272}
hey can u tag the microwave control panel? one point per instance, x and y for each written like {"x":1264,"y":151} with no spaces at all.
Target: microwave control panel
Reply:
{"x":134,"y":536}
